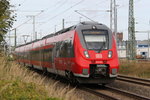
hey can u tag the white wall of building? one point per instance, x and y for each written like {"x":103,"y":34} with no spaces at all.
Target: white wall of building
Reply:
{"x":122,"y":52}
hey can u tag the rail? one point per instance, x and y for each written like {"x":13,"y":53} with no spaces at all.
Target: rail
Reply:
{"x":103,"y":93}
{"x":139,"y":81}
{"x":99,"y":94}
{"x":129,"y":94}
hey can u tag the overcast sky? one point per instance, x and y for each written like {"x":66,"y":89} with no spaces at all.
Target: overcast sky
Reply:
{"x":49,"y":15}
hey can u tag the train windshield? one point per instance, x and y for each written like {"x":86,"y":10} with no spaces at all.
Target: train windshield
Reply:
{"x":96,"y":40}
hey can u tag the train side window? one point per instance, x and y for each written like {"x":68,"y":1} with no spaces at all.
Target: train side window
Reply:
{"x":63,"y":49}
{"x":70,"y":49}
{"x":69,"y":44}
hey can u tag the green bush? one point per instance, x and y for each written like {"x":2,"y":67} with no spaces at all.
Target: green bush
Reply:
{"x":17,"y":90}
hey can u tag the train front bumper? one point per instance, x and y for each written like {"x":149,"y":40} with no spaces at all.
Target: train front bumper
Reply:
{"x":107,"y":80}
{"x":97,"y":70}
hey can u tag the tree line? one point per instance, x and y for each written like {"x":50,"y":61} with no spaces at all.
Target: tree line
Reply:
{"x":7,"y":18}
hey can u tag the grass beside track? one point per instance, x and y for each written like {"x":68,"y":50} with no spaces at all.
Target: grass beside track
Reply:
{"x":17,"y":90}
{"x":19,"y":83}
{"x":135,"y":68}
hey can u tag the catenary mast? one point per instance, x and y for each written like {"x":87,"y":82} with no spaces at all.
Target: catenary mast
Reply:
{"x":131,"y":45}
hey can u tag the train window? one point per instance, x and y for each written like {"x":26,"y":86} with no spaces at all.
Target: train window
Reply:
{"x":64,"y":49}
{"x":70,"y":49}
{"x":96,"y":40}
{"x":47,"y":54}
{"x":69,"y":44}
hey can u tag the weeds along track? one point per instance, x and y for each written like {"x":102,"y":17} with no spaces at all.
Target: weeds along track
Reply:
{"x":139,"y":81}
{"x":80,"y":87}
{"x":106,"y":92}
{"x":110,"y":93}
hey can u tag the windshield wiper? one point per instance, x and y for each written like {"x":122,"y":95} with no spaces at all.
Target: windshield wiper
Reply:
{"x":101,"y":47}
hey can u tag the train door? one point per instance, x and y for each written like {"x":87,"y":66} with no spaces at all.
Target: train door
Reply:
{"x":54,"y":52}
{"x":70,"y":53}
{"x":41,"y":58}
{"x":29,"y":57}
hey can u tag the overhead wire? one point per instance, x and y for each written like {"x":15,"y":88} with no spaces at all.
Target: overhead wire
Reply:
{"x":60,"y":14}
{"x":95,"y":4}
{"x":135,"y":2}
{"x":69,"y":8}
{"x":42,"y":11}
{"x":128,"y":4}
{"x":55,"y":8}
{"x":26,"y":21}
{"x":84,"y":16}
{"x":55,"y":5}
{"x":104,"y":1}
{"x":61,"y":4}
{"x":63,"y":11}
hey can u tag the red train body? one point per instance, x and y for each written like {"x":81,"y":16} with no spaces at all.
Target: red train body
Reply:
{"x":85,"y":53}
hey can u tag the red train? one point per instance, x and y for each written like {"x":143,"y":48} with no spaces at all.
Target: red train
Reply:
{"x":85,"y":53}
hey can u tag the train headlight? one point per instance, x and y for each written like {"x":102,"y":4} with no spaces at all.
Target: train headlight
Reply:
{"x":86,"y":54}
{"x":110,"y":54}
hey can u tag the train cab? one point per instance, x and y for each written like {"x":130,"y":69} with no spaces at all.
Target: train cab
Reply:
{"x":95,"y":53}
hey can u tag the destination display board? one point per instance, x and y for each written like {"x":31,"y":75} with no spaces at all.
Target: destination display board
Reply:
{"x":94,"y":32}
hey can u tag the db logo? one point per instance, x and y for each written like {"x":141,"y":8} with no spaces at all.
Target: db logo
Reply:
{"x":98,"y":55}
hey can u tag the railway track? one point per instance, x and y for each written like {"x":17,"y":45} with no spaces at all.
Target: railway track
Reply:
{"x":99,"y":94}
{"x":110,"y":93}
{"x":134,"y":80}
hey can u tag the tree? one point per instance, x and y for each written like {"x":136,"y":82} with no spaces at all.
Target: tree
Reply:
{"x":6,"y":18}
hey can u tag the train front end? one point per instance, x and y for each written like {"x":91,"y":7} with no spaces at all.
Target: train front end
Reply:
{"x":96,"y":59}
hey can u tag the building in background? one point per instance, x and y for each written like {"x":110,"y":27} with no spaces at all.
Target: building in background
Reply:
{"x":142,"y":48}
